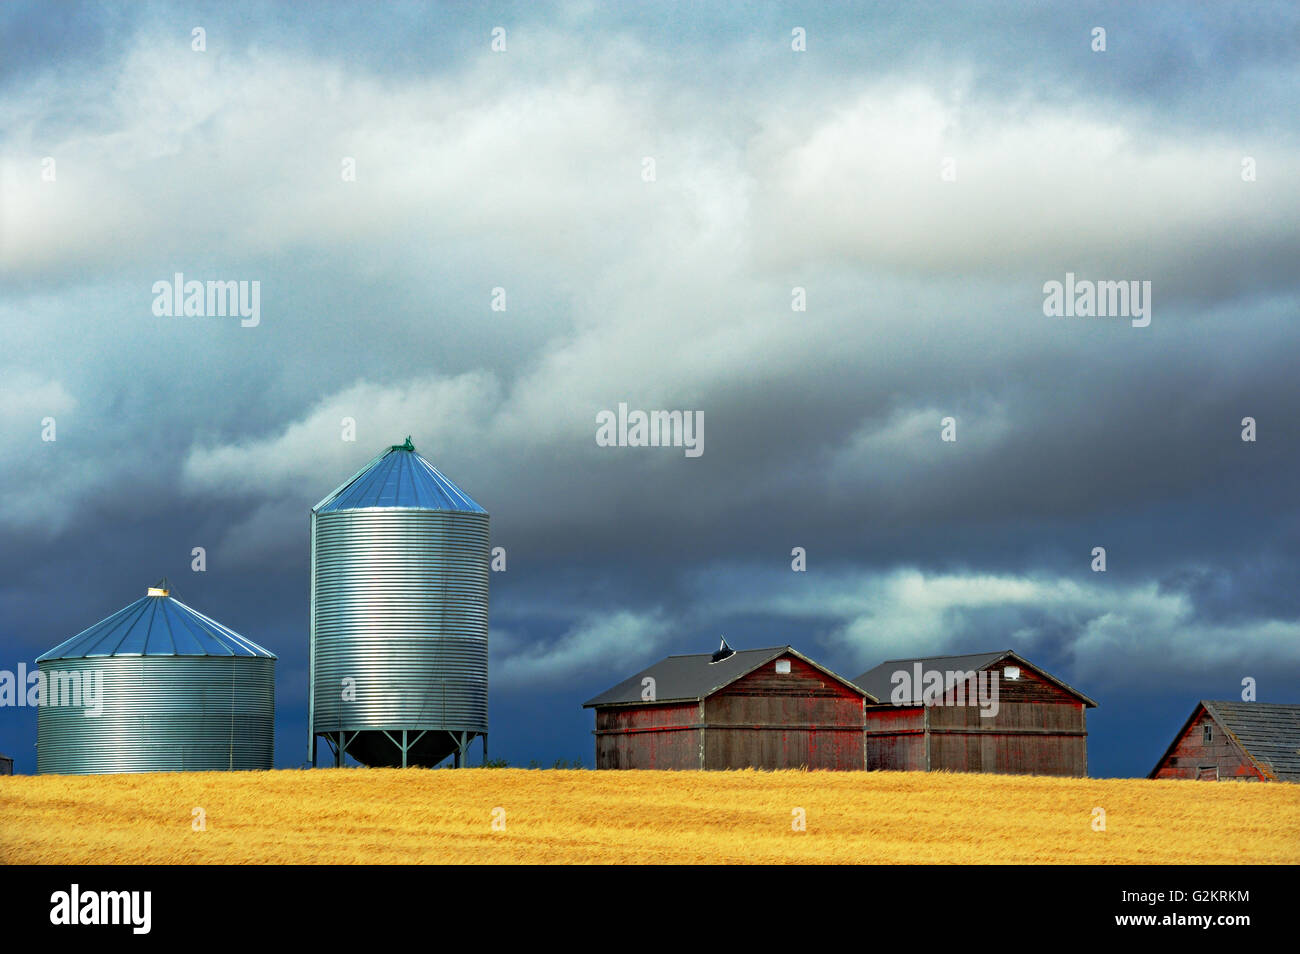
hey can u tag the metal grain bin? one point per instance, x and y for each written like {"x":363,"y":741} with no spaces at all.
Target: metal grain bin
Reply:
{"x":399,"y":616}
{"x":156,"y":687}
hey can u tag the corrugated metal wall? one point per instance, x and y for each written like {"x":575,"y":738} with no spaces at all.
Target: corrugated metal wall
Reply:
{"x":400,"y":608}
{"x":161,"y":714}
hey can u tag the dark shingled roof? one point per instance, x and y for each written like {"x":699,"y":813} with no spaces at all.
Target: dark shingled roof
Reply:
{"x":694,"y":677}
{"x":878,"y":682}
{"x":1269,"y":734}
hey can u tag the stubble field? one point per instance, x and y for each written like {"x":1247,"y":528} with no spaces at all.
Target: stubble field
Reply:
{"x":341,"y":816}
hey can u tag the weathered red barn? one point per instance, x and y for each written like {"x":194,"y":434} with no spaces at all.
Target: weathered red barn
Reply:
{"x":1240,"y":741}
{"x":987,"y":712}
{"x":759,"y":708}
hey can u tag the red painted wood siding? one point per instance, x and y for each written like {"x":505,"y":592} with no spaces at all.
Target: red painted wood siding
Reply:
{"x":648,"y":737}
{"x":1039,"y":729}
{"x":765,"y":720}
{"x":894,"y":738}
{"x":1191,"y":753}
{"x":772,"y":720}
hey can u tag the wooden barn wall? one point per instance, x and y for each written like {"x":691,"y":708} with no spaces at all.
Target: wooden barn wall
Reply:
{"x":804,"y":718}
{"x":774,"y":720}
{"x":1008,"y":752}
{"x":1030,"y":687}
{"x":1039,"y":729}
{"x":1011,"y":716}
{"x":1190,"y":755}
{"x":894,"y":739}
{"x":648,"y":737}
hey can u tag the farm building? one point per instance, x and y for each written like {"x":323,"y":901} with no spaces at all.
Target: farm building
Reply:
{"x":6,"y":765}
{"x":761,"y":708}
{"x":986,"y":712}
{"x":1240,"y":741}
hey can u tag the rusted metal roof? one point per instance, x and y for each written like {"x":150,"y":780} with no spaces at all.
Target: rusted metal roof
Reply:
{"x":694,"y":677}
{"x":878,"y":682}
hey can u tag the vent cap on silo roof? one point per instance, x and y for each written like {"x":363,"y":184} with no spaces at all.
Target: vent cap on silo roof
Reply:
{"x":157,"y":624}
{"x":399,"y":478}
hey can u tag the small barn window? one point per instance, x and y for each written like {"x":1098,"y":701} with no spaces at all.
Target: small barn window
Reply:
{"x":1207,"y":733}
{"x":783,"y":665}
{"x":1011,"y":672}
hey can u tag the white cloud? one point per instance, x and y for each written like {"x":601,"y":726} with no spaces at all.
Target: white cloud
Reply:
{"x":1037,"y":188}
{"x":311,"y":452}
{"x":1112,"y":632}
{"x":615,"y":641}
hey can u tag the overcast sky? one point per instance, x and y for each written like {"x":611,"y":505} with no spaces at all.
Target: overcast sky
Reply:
{"x":920,"y":173}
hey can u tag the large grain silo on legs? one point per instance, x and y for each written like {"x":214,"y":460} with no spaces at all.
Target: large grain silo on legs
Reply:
{"x":156,"y":687}
{"x":399,"y":616}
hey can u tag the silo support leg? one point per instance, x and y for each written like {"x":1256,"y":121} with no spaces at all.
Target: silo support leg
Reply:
{"x":461,"y":740}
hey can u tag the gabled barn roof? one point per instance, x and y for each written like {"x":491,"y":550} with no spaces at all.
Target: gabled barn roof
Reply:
{"x":694,"y":677}
{"x":1268,"y":733}
{"x":878,"y":682}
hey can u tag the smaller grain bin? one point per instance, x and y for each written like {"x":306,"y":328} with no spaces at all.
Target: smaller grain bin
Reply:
{"x":156,"y":687}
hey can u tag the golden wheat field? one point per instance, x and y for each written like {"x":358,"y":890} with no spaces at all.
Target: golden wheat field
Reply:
{"x":340,"y":816}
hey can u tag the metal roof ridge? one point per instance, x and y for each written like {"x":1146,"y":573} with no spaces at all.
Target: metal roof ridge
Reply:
{"x":134,"y":622}
{"x":734,"y":652}
{"x":207,"y":629}
{"x":351,"y":480}
{"x":991,"y":652}
{"x":224,"y":631}
{"x":166,"y":622}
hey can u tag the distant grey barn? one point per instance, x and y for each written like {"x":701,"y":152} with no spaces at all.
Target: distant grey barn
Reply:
{"x":760,"y":708}
{"x":6,"y":765}
{"x":1039,"y":728}
{"x":1241,"y":741}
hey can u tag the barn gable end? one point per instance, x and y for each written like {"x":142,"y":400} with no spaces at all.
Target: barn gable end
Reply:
{"x":769,"y":709}
{"x":787,"y":713}
{"x":1242,"y":741}
{"x":1039,"y":726}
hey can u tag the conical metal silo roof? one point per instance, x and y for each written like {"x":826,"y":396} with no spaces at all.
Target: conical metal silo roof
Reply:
{"x":399,"y":477}
{"x":157,"y":624}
